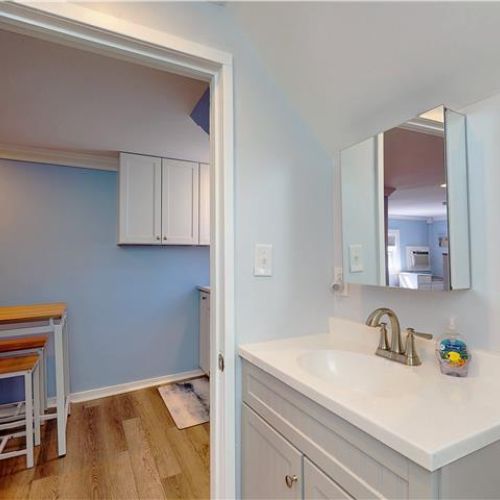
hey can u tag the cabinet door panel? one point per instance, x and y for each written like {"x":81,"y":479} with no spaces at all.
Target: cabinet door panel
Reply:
{"x":204,"y":204}
{"x":317,"y":485}
{"x":179,"y":202}
{"x":140,"y":199}
{"x":267,"y":459}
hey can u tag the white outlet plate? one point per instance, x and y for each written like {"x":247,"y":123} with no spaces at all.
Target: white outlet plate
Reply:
{"x":356,"y":258}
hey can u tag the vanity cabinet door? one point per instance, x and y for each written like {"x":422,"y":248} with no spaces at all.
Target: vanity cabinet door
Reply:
{"x":271,"y":466}
{"x":317,"y":485}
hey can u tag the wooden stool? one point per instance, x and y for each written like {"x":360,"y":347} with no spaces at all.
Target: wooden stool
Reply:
{"x":27,"y":367}
{"x":27,"y":345}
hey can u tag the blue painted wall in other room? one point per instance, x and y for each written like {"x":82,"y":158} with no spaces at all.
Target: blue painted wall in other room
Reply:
{"x":436,"y":229}
{"x":421,"y":233}
{"x":411,"y":233}
{"x":133,"y":310}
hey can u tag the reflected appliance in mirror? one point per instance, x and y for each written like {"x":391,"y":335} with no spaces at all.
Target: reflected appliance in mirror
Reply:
{"x":405,"y":216}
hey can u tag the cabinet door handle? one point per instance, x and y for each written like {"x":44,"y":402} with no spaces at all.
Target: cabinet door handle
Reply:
{"x":158,"y":238}
{"x":290,"y":480}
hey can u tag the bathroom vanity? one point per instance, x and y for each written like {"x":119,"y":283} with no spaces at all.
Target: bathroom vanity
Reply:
{"x":323,"y":417}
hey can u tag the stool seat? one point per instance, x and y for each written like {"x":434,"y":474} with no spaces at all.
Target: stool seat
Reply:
{"x":16,"y":364}
{"x":21,"y":343}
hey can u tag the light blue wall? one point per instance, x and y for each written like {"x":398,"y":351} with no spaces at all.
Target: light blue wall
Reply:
{"x":421,"y":233}
{"x":411,"y":233}
{"x":133,"y":310}
{"x":437,"y":229}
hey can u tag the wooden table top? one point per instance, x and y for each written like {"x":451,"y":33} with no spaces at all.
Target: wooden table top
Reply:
{"x":17,"y":363}
{"x":31,"y":312}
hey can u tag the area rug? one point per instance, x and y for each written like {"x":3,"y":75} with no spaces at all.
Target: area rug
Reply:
{"x":188,"y":402}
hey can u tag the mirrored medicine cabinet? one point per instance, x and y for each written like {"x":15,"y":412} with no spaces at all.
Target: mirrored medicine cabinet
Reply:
{"x":405,"y":210}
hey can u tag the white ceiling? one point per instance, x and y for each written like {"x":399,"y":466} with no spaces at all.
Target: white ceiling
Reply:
{"x":420,"y":202}
{"x":58,"y":97}
{"x":353,"y":69}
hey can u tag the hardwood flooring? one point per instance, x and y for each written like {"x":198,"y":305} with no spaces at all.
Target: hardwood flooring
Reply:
{"x":122,"y":447}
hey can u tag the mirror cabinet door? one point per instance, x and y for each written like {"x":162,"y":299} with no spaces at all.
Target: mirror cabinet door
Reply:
{"x":405,"y":205}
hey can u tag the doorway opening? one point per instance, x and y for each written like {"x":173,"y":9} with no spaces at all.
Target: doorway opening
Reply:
{"x":214,"y":69}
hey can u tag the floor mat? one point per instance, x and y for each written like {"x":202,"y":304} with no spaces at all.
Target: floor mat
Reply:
{"x":188,"y":402}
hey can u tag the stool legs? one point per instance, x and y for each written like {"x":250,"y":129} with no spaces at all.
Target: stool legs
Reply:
{"x":43,"y":382}
{"x":28,"y":397}
{"x":37,"y":402}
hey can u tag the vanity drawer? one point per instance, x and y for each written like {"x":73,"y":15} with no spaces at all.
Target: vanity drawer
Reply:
{"x":360,"y":464}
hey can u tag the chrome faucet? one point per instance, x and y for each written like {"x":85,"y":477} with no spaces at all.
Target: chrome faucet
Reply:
{"x":395,"y":352}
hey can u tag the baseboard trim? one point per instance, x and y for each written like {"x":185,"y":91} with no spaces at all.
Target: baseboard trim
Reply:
{"x":113,"y":390}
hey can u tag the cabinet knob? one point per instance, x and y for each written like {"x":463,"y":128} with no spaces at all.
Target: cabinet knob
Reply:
{"x":158,"y":238}
{"x":164,"y":237}
{"x":290,"y":480}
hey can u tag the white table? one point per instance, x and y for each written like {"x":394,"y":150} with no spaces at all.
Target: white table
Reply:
{"x":35,"y":319}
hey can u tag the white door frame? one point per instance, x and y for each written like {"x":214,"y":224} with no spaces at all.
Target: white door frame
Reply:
{"x":87,"y":29}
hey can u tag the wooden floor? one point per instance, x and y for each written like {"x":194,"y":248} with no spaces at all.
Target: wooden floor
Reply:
{"x":121,"y":447}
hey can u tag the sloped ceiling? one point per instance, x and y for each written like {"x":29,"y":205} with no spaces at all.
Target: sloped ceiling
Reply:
{"x":353,"y":69}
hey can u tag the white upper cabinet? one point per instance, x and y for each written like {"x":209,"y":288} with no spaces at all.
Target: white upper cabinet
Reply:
{"x":204,"y":218}
{"x":140,"y":199}
{"x":163,"y":201}
{"x":179,"y":202}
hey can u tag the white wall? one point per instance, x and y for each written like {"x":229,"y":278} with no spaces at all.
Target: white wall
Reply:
{"x":54,"y":96}
{"x":477,"y":310}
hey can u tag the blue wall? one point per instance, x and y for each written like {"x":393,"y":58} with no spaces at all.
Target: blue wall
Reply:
{"x":411,"y":233}
{"x":420,"y":233}
{"x":133,"y":310}
{"x":437,"y":229}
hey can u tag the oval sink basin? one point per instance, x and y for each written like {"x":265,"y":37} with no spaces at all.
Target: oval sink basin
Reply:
{"x":360,"y":372}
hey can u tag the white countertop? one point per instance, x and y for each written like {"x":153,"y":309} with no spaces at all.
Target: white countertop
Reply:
{"x":433,"y":421}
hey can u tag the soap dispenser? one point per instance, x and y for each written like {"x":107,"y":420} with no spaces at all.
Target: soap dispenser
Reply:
{"x":452,"y":352}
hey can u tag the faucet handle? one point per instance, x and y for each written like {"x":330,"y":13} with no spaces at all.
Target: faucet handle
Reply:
{"x":411,"y":331}
{"x":383,"y":343}
{"x":412,"y":358}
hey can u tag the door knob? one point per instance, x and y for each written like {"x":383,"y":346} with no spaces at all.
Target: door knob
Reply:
{"x":290,"y":480}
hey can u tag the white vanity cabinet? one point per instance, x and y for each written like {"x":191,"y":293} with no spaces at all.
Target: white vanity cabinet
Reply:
{"x":339,"y":460}
{"x":163,"y":201}
{"x":317,"y":485}
{"x":272,"y":467}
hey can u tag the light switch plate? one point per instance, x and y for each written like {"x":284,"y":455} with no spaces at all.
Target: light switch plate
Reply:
{"x":263,"y":264}
{"x":356,"y":258}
